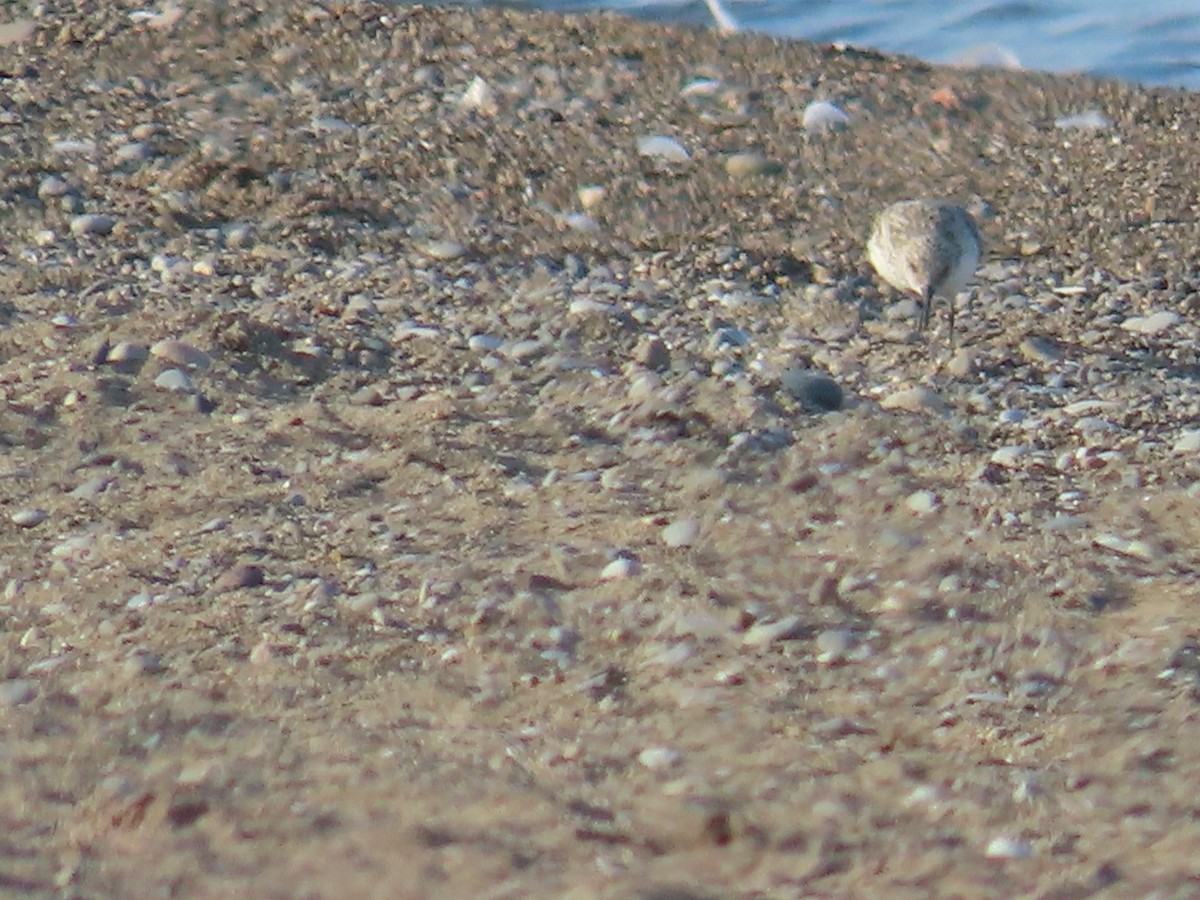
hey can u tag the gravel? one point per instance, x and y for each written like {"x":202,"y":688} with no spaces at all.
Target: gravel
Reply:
{"x":570,"y":509}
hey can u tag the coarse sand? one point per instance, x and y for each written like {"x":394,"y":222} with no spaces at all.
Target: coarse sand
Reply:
{"x":466,"y":453}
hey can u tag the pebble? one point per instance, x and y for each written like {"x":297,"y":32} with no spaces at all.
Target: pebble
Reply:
{"x":180,"y":354}
{"x":140,"y":600}
{"x":238,"y":235}
{"x":659,"y":758}
{"x":262,"y":653}
{"x":360,"y":309}
{"x":822,"y":116}
{"x":92,"y":224}
{"x":962,"y":363}
{"x":175,"y":380}
{"x":815,"y":391}
{"x":77,"y":547}
{"x":1039,"y":349}
{"x":834,"y":644}
{"x":645,"y":386}
{"x":701,"y":87}
{"x":520,"y":351}
{"x":162,"y":21}
{"x":1004,"y":847}
{"x":479,"y":95}
{"x":1013,"y":416}
{"x":652,"y":353}
{"x":17,"y":691}
{"x":585,"y":306}
{"x":1090,"y":407}
{"x":681,"y":533}
{"x":93,"y":487}
{"x":914,"y":399}
{"x":661,"y":147}
{"x":1009,"y":456}
{"x":69,"y":147}
{"x":367,"y":395}
{"x":52,"y":187}
{"x":624,"y":566}
{"x":590,"y":195}
{"x":1187,"y":442}
{"x":127,"y":352}
{"x":242,"y":575}
{"x":484,"y":343}
{"x":1094,"y":425}
{"x":133,"y":152}
{"x":1088,"y":120}
{"x":29,"y":518}
{"x":442,"y":250}
{"x":363,"y":604}
{"x":728,"y":337}
{"x":582,"y":222}
{"x":144,"y":662}
{"x":330,"y":125}
{"x":1134,"y":549}
{"x":1155,"y":323}
{"x":197,"y":402}
{"x":410,"y":329}
{"x":751,"y":165}
{"x":922,"y":502}
{"x":168,"y":266}
{"x":762,"y":634}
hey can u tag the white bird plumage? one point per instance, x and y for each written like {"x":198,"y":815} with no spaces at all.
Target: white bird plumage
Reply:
{"x":927,"y":248}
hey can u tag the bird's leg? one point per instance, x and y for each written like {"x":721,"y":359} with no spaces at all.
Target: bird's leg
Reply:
{"x":952,"y":299}
{"x":926,"y":310}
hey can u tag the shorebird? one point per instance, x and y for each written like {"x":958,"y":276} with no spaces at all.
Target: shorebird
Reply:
{"x":926,"y":248}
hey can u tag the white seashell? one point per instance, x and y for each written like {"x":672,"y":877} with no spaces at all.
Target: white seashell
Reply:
{"x":590,"y":195}
{"x":69,"y":146}
{"x":331,"y":124}
{"x":621,"y":567}
{"x":1187,"y":442}
{"x":821,"y":115}
{"x":484,"y":343}
{"x":478,"y":95}
{"x":29,"y":518}
{"x":1155,"y":323}
{"x":659,"y":758}
{"x":1008,"y":848}
{"x":586,"y":306}
{"x":175,"y":380}
{"x":92,"y":224}
{"x":180,"y":354}
{"x":681,"y":533}
{"x":701,"y":87}
{"x":1010,"y":456}
{"x":581,"y":222}
{"x":1091,"y":119}
{"x":663,"y":147}
{"x":411,"y":329}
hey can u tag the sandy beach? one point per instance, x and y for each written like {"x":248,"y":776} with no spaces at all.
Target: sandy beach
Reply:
{"x":468,"y":454}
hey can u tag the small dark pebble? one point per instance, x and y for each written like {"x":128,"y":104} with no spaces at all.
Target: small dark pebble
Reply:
{"x":816,"y":392}
{"x":243,"y":575}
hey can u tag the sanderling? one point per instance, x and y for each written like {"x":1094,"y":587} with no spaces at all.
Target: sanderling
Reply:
{"x":928,"y":248}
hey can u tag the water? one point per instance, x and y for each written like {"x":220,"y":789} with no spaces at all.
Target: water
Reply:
{"x":1152,"y":43}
